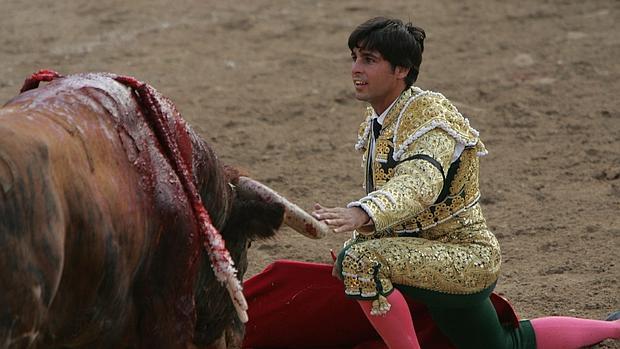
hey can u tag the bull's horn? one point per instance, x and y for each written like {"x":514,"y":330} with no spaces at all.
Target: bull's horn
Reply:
{"x":295,"y":217}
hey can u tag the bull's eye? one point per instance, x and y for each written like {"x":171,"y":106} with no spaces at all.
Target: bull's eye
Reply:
{"x":248,"y":244}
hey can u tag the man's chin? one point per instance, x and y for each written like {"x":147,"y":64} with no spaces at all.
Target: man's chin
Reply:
{"x":361,"y":96}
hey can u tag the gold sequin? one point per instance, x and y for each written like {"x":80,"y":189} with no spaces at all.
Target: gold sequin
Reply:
{"x":454,"y":259}
{"x":406,"y":192}
{"x":454,"y":252}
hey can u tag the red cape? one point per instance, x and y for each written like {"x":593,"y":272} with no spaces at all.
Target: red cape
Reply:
{"x":295,"y":305}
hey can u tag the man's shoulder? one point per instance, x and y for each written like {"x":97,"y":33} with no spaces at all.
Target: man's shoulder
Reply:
{"x":426,"y":104}
{"x":428,"y":110}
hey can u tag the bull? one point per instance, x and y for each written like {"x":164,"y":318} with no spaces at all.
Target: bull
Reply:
{"x":110,"y":208}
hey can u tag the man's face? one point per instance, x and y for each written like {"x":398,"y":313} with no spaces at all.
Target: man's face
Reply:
{"x":374,"y":79}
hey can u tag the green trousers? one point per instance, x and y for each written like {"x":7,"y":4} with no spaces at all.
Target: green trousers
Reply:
{"x":470,"y":321}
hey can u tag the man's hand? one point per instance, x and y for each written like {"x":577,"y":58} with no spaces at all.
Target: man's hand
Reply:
{"x":341,"y":219}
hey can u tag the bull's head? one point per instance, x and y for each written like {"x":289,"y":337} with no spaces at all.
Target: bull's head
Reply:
{"x":251,"y":212}
{"x":249,"y":219}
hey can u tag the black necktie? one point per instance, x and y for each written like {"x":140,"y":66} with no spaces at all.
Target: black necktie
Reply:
{"x":376,"y":129}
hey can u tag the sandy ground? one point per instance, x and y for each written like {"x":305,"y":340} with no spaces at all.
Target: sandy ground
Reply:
{"x":267,"y":82}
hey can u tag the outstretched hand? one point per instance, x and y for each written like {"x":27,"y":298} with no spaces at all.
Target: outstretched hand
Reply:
{"x":341,"y":219}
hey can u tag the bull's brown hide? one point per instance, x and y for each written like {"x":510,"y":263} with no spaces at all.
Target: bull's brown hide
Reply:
{"x":98,"y":233}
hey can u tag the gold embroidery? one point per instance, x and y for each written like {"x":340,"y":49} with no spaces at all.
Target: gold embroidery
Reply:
{"x":429,"y":110}
{"x":412,"y":185}
{"x":455,"y":253}
{"x":419,"y":179}
{"x":364,"y":129}
{"x":462,"y":257}
{"x":382,"y":149}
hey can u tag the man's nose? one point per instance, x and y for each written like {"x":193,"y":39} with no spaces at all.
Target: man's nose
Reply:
{"x":356,"y":67}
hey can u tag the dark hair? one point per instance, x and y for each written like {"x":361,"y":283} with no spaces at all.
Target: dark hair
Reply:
{"x":400,"y":44}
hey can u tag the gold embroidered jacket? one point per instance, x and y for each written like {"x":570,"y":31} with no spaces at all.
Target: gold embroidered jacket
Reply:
{"x":424,"y":166}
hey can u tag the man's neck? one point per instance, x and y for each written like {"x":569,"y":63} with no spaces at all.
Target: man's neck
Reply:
{"x":379,"y":108}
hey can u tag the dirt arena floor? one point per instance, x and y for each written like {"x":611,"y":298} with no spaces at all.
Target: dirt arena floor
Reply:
{"x":267,"y":82}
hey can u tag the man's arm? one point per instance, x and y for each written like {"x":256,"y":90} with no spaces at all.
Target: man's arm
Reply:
{"x":416,"y":183}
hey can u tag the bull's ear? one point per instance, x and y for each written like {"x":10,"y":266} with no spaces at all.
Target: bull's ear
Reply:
{"x":256,"y":219}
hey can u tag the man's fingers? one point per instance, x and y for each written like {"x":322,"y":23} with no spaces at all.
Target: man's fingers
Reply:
{"x":340,"y":225}
{"x":343,"y":228}
{"x":317,"y":206}
{"x":330,"y":215}
{"x":318,"y":212}
{"x":321,"y":212}
{"x":335,"y":222}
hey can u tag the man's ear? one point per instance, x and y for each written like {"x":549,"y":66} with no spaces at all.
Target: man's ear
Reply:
{"x":401,"y":72}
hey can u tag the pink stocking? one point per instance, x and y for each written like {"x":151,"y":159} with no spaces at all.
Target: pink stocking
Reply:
{"x":395,"y":327}
{"x":567,"y":332}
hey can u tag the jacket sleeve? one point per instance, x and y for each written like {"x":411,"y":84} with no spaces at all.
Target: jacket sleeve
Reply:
{"x":416,"y":183}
